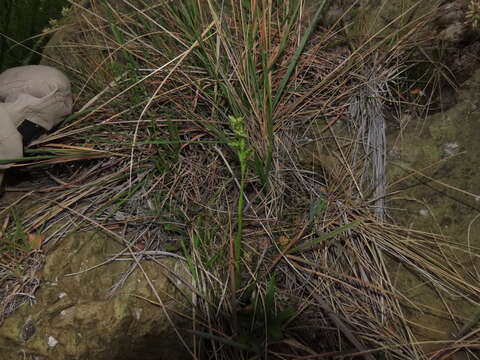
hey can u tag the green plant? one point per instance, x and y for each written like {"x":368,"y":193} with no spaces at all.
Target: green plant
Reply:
{"x":21,"y":24}
{"x":14,"y":242}
{"x":260,"y":322}
{"x":201,"y":108}
{"x":241,"y":148}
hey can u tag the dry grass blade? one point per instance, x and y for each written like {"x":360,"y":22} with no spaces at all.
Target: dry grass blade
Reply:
{"x":280,"y":222}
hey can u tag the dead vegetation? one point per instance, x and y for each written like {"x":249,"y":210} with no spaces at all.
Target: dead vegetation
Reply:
{"x":252,"y":140}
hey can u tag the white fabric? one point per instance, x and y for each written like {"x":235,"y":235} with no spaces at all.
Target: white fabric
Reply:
{"x":38,"y":93}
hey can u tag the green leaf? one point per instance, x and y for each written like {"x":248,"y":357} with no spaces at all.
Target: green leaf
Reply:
{"x":286,"y":314}
{"x":294,"y":60}
{"x":275,"y":333}
{"x":316,"y":207}
{"x":309,"y":244}
{"x":270,"y":296}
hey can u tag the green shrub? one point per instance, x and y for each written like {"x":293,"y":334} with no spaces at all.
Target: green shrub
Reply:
{"x":20,"y":22}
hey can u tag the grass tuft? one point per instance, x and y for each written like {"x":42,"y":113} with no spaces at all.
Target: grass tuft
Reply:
{"x":253,"y":137}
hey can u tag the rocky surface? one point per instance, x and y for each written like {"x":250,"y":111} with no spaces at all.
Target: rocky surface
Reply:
{"x":443,"y":149}
{"x":434,"y":175}
{"x":75,"y":318}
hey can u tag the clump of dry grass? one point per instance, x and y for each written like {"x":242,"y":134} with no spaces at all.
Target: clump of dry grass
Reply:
{"x":281,"y":219}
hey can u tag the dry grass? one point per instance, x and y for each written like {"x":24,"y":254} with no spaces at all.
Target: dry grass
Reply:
{"x":310,"y":254}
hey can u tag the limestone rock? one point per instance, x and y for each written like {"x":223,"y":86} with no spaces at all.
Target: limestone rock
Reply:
{"x":74,"y":317}
{"x":440,"y":195}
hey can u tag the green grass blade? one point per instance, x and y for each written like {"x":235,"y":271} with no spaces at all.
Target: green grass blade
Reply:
{"x":309,"y":244}
{"x":294,"y":60}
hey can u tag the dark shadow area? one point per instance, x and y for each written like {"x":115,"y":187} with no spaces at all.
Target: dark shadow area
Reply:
{"x":21,"y":21}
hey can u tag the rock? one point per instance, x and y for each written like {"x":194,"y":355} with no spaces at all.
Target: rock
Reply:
{"x":443,"y":147}
{"x":74,"y":317}
{"x":454,"y":33}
